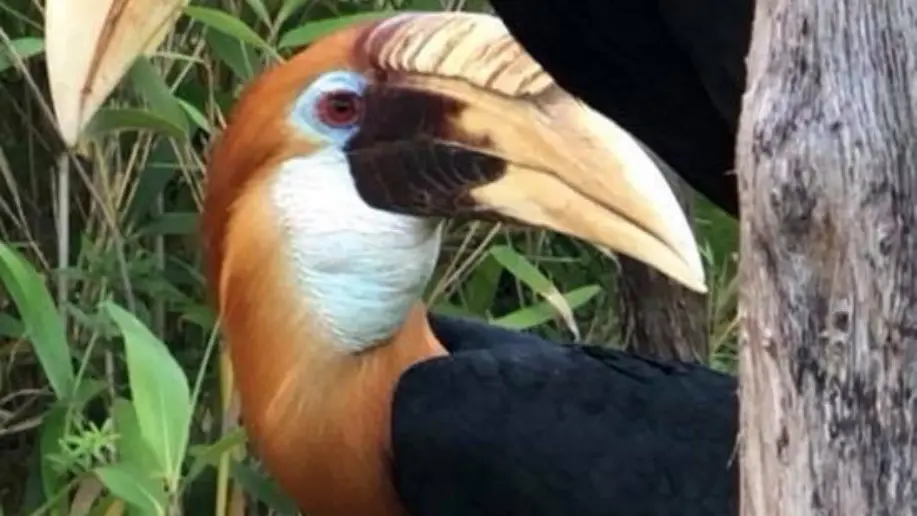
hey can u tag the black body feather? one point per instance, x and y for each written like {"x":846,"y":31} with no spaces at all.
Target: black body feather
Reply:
{"x":671,"y":72}
{"x":513,"y":425}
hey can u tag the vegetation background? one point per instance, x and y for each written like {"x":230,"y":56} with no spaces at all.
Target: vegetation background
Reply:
{"x":113,"y":394}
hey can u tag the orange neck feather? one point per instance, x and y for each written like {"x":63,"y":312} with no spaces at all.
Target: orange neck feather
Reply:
{"x":318,"y":416}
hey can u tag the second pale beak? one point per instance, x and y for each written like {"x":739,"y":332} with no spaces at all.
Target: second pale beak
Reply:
{"x":90,"y":45}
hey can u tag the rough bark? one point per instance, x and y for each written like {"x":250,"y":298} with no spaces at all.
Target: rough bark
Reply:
{"x":827,"y":168}
{"x":660,"y":318}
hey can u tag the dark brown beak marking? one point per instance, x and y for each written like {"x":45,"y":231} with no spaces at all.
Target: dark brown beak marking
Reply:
{"x":408,"y":157}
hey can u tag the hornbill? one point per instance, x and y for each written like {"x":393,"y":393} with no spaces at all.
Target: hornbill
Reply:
{"x":670,"y":72}
{"x":322,"y":221}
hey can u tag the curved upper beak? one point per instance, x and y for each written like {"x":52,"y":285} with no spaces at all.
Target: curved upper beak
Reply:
{"x":466,"y":138}
{"x":574,"y":171}
{"x":89,"y":46}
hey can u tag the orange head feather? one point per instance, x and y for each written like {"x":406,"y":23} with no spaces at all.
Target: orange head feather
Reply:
{"x":275,"y":346}
{"x":258,"y":136}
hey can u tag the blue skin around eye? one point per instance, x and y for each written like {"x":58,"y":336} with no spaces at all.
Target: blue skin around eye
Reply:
{"x":303,"y":116}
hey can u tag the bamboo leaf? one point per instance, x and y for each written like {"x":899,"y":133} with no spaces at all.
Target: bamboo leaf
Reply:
{"x":424,"y":5}
{"x":446,"y":308}
{"x":147,"y":81}
{"x":287,"y":8}
{"x":175,"y":224}
{"x":301,"y":36}
{"x":261,"y":10}
{"x":229,"y":25}
{"x":196,"y":115}
{"x":235,"y":54}
{"x":161,"y":168}
{"x":540,"y":313}
{"x":23,"y":48}
{"x":526,"y":272}
{"x":479,"y":291}
{"x":109,"y":120}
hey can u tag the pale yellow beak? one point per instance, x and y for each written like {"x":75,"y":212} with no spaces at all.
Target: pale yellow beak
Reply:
{"x":500,"y":137}
{"x":575,"y":171}
{"x":90,"y":45}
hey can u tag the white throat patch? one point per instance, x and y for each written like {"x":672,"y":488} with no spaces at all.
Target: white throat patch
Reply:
{"x":361,"y":268}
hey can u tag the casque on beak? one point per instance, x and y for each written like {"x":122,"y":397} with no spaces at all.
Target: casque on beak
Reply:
{"x":90,"y":45}
{"x":463,"y":123}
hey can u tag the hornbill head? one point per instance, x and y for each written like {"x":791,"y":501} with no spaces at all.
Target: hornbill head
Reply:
{"x":324,"y":201}
{"x":379,"y":130}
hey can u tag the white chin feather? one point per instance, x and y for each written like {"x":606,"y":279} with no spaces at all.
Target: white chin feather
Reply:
{"x":361,"y":268}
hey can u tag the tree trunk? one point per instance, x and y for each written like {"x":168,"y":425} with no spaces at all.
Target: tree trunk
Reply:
{"x":660,"y":318}
{"x":827,"y":157}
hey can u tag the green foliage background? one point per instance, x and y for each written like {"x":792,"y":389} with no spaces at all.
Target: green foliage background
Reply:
{"x":110,"y":383}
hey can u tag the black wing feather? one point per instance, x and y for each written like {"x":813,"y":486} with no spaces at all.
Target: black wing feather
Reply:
{"x":716,"y":35}
{"x":511,"y":424}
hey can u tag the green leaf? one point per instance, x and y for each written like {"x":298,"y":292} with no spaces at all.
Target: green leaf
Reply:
{"x":52,"y":432}
{"x":196,"y":115}
{"x":133,"y":449}
{"x":526,"y":272}
{"x":86,"y":391}
{"x":260,"y":10}
{"x":540,"y":313}
{"x":229,"y":25}
{"x":109,"y":120}
{"x":53,"y":428}
{"x":235,"y":54}
{"x":161,"y":168}
{"x":147,"y":81}
{"x":446,"y":308}
{"x":134,"y":487}
{"x":33,"y":493}
{"x":10,"y":327}
{"x":24,"y":48}
{"x":201,"y":315}
{"x":478,"y":6}
{"x":43,"y":325}
{"x":424,"y":5}
{"x":160,"y":392}
{"x":176,"y":224}
{"x":205,"y":456}
{"x":105,"y":506}
{"x":288,"y":8}
{"x":717,"y":229}
{"x":301,"y":36}
{"x":480,"y":289}
{"x":262,"y":488}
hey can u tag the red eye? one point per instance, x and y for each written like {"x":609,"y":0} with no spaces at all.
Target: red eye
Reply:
{"x":341,"y":108}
